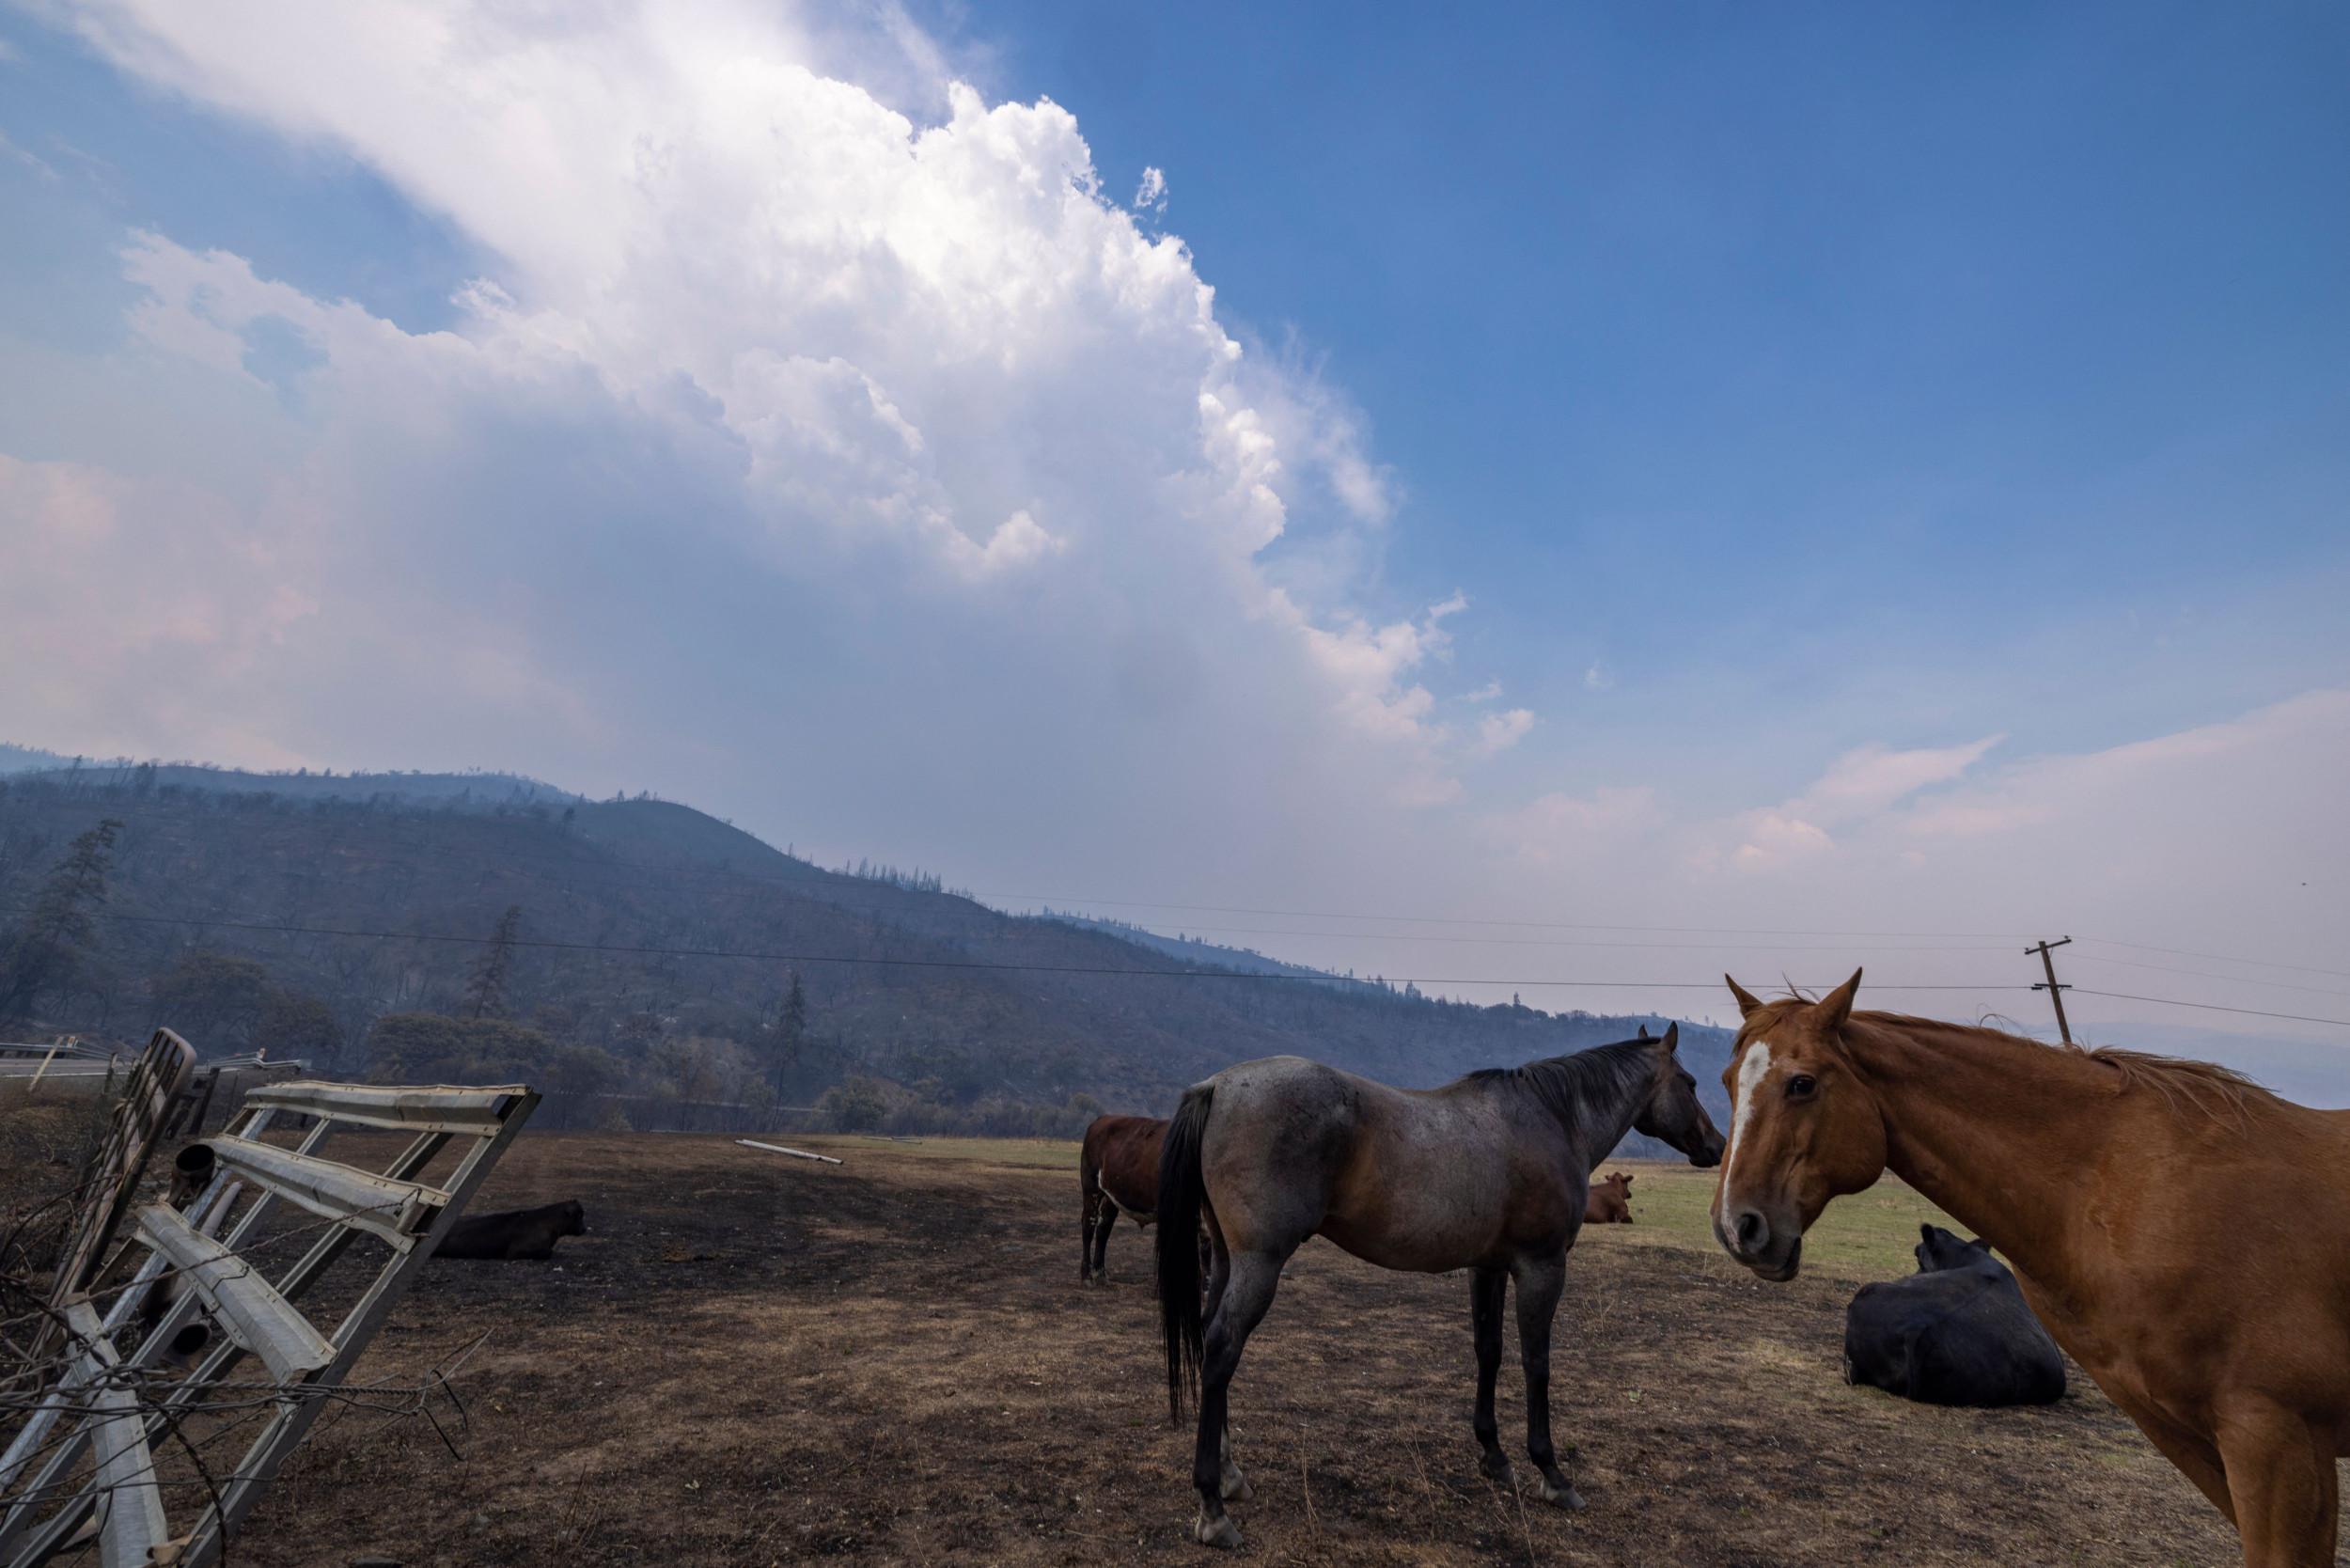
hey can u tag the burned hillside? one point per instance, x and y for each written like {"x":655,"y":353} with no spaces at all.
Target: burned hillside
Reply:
{"x":337,"y":919}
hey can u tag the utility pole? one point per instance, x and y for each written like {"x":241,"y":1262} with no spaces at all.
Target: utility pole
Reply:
{"x":2056,"y":992}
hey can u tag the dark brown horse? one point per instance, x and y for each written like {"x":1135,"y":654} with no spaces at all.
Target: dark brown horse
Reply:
{"x":1610,"y":1203}
{"x":2183,"y":1233}
{"x":1118,"y":1172}
{"x":1488,"y":1173}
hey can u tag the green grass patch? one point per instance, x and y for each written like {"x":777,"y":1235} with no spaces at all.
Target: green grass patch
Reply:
{"x":1866,"y":1236}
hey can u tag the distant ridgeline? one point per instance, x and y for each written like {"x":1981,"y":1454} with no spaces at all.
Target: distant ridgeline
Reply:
{"x":490,"y":926}
{"x":481,"y":791}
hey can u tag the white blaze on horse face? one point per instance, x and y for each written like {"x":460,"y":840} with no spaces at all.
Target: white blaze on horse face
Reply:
{"x":1752,"y":1069}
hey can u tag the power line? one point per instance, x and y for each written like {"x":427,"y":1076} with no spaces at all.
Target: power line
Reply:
{"x":600,"y":847}
{"x":1086,"y":969}
{"x":1532,"y":925}
{"x":2205,"y":974}
{"x":1319,"y":978}
{"x":2208,"y":1007}
{"x":2215,"y":958}
{"x":1529,"y":942}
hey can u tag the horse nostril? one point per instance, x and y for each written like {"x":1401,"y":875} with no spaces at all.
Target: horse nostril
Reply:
{"x":1752,"y":1232}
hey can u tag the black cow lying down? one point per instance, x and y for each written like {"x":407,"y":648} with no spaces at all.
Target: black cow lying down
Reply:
{"x":515,"y":1233}
{"x":1956,"y":1332}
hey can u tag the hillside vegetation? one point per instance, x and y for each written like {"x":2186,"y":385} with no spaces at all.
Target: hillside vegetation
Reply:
{"x":353,"y":920}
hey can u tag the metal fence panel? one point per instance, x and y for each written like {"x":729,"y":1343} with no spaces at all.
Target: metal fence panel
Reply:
{"x":98,"y":1410}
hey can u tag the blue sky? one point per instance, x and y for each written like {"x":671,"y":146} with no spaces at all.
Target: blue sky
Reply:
{"x":1825,"y":467}
{"x":1974,"y":341}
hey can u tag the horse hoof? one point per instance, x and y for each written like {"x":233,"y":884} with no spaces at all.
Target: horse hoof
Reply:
{"x":1237,"y":1489}
{"x":1499,"y":1472}
{"x":1561,"y":1496}
{"x":1217,"y":1532}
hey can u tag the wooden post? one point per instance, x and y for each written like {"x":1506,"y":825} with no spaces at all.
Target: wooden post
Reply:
{"x":43,"y":1071}
{"x":2056,"y":992}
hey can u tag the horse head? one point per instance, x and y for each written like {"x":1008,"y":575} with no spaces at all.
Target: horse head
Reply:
{"x":1804,"y":1127}
{"x":1671,"y":1113}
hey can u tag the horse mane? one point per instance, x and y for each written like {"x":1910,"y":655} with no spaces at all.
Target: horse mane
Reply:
{"x":2217,"y":1091}
{"x":2201,"y":1083}
{"x":1568,"y":1086}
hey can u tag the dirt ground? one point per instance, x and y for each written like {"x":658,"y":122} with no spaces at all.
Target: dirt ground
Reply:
{"x":756,"y":1360}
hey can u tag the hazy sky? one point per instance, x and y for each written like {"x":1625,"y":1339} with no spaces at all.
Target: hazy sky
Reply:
{"x":1773,"y":488}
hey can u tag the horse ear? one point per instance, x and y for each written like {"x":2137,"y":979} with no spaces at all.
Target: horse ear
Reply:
{"x":1644,"y":1031}
{"x":1673,"y":1038}
{"x":1837,"y":1005}
{"x":1748,"y":1003}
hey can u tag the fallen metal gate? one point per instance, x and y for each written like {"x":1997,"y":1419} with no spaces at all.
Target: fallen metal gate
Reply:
{"x":103,"y":1409}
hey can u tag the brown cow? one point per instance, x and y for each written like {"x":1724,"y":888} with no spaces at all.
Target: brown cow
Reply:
{"x":1118,"y":1172}
{"x":1610,"y":1201}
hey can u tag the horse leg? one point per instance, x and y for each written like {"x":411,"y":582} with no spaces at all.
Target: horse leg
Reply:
{"x":1540,"y":1283}
{"x":2190,"y":1452}
{"x":1216,"y":1269}
{"x":1486,"y":1286}
{"x":1085,"y":1240}
{"x":2283,"y":1481}
{"x":1250,"y":1281}
{"x":1101,"y":1242}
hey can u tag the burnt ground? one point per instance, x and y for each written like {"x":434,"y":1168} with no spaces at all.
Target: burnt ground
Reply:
{"x":755,"y":1359}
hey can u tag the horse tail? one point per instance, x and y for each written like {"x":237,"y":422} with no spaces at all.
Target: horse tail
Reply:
{"x":1089,"y":1170}
{"x":1183,"y":1197}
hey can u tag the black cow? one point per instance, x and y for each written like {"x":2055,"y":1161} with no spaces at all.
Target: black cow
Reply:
{"x":514,"y":1234}
{"x":1956,"y":1332}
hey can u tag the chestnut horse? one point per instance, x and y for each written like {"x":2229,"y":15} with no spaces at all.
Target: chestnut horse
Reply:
{"x":2183,"y":1233}
{"x":1487,"y":1173}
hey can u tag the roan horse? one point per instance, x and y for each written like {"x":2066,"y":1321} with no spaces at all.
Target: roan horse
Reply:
{"x":2183,"y":1233}
{"x":1487,"y":1173}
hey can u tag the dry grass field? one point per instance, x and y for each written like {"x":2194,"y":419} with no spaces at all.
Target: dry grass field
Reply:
{"x":754,"y":1359}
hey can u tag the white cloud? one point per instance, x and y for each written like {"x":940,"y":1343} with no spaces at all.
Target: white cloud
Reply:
{"x":748,"y":330}
{"x":1858,"y":787}
{"x":123,"y":578}
{"x":1872,"y":778}
{"x":30,"y":160}
{"x":848,"y":461}
{"x":1016,"y":541}
{"x":2111,"y":785}
{"x":1560,"y":827}
{"x":1500,"y":731}
{"x":1150,"y":196}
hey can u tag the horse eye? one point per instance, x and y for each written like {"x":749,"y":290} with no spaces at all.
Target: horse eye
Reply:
{"x":1801,"y":1086}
